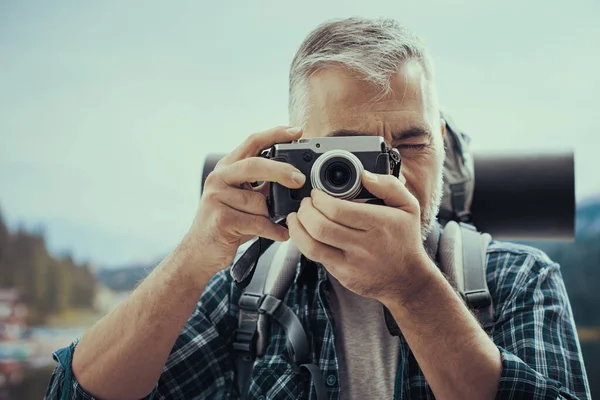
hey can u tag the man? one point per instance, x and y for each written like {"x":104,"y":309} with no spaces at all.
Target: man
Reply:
{"x":172,"y":338}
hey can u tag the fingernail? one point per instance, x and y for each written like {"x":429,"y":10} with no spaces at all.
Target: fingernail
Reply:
{"x":370,"y":176}
{"x":294,"y":131}
{"x":298,"y":177}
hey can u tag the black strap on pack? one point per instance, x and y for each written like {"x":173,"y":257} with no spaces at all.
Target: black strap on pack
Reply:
{"x":243,"y":269}
{"x":297,"y":340}
{"x":476,"y":293}
{"x":253,"y":301}
{"x":459,"y":201}
{"x":458,"y":195}
{"x":244,"y":341}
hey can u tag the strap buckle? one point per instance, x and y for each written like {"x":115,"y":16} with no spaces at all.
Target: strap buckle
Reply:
{"x":478,"y":298}
{"x":250,"y":301}
{"x":244,"y":339}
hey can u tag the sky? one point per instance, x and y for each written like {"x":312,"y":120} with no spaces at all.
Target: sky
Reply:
{"x":107,"y":109}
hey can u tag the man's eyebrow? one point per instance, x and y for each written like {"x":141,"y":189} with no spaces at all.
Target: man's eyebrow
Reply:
{"x":412,"y":132}
{"x":409,"y":133}
{"x":348,"y":132}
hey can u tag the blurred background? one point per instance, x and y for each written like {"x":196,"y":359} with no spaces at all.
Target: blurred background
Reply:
{"x":107,"y":110}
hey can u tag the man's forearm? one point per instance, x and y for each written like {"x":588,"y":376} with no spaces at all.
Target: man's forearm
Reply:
{"x":457,"y":357}
{"x":122,"y":355}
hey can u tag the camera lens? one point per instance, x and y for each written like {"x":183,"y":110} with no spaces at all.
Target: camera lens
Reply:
{"x":337,"y":172}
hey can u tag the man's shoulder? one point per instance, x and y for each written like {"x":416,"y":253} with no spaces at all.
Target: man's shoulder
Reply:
{"x":518,"y":251}
{"x":517,"y":262}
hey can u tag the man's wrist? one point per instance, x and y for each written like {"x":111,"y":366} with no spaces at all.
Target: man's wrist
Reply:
{"x":192,"y":265}
{"x":412,"y":292}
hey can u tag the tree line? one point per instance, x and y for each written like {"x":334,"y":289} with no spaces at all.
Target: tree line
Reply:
{"x":47,"y":284}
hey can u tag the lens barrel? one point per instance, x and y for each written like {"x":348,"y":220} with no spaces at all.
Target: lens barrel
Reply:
{"x":337,"y":173}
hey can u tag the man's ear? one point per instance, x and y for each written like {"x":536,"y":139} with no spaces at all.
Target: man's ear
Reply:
{"x":443,"y":127}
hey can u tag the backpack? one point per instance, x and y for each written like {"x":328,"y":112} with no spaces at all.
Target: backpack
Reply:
{"x":264,"y":271}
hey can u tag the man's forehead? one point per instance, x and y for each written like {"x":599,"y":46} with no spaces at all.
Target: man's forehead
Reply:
{"x":343,"y":82}
{"x":340,"y":99}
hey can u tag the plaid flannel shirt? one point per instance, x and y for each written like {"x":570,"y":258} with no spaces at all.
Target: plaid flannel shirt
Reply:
{"x":534,"y":331}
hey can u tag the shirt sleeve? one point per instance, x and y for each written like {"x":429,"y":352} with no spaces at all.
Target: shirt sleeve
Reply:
{"x":535,"y":333}
{"x":199,"y":365}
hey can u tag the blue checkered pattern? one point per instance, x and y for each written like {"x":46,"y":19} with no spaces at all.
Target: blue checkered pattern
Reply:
{"x":534,"y":331}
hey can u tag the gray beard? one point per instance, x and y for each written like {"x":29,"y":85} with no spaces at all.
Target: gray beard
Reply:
{"x":431,"y":209}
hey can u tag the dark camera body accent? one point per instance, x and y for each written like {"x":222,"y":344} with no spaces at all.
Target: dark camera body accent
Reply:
{"x":372,"y":153}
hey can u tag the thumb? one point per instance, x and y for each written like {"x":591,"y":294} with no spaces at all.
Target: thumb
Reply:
{"x":391,"y":190}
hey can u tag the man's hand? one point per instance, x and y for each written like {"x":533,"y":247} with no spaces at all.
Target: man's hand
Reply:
{"x":231,"y":212}
{"x":373,"y":250}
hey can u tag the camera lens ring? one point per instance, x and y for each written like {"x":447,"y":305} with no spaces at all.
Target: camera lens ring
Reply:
{"x":315,"y":173}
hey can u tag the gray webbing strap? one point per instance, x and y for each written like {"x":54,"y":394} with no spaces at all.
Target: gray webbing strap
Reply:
{"x":244,"y":341}
{"x":297,"y":340}
{"x":315,"y":372}
{"x":476,"y":293}
{"x":253,"y":304}
{"x":459,"y":201}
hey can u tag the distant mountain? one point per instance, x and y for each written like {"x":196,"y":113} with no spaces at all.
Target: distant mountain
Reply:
{"x":124,"y":278}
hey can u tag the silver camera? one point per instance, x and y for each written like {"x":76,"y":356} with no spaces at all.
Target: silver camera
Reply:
{"x":333,"y":165}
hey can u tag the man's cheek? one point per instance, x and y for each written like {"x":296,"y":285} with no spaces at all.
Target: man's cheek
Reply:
{"x":417,"y":183}
{"x":411,"y":190}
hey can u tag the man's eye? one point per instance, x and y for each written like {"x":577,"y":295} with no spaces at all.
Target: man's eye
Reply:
{"x":412,"y":146}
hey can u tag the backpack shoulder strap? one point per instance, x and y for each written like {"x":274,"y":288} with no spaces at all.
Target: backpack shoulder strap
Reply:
{"x":462,"y":256}
{"x":476,"y":293}
{"x":262,"y":298}
{"x":245,"y":336}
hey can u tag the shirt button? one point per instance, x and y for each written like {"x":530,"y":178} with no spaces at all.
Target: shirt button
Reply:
{"x":331,"y":380}
{"x":261,"y":397}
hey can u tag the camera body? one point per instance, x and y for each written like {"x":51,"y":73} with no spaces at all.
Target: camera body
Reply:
{"x":333,"y":165}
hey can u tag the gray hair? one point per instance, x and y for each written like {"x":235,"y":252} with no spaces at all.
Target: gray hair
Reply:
{"x":374,"y":48}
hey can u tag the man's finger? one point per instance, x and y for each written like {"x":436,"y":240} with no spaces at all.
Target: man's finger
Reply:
{"x":322,"y":229}
{"x":257,"y":142}
{"x":246,"y":201}
{"x":347,"y":213}
{"x":312,"y":249}
{"x":391,"y":190}
{"x":258,"y":225}
{"x":261,"y":169}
